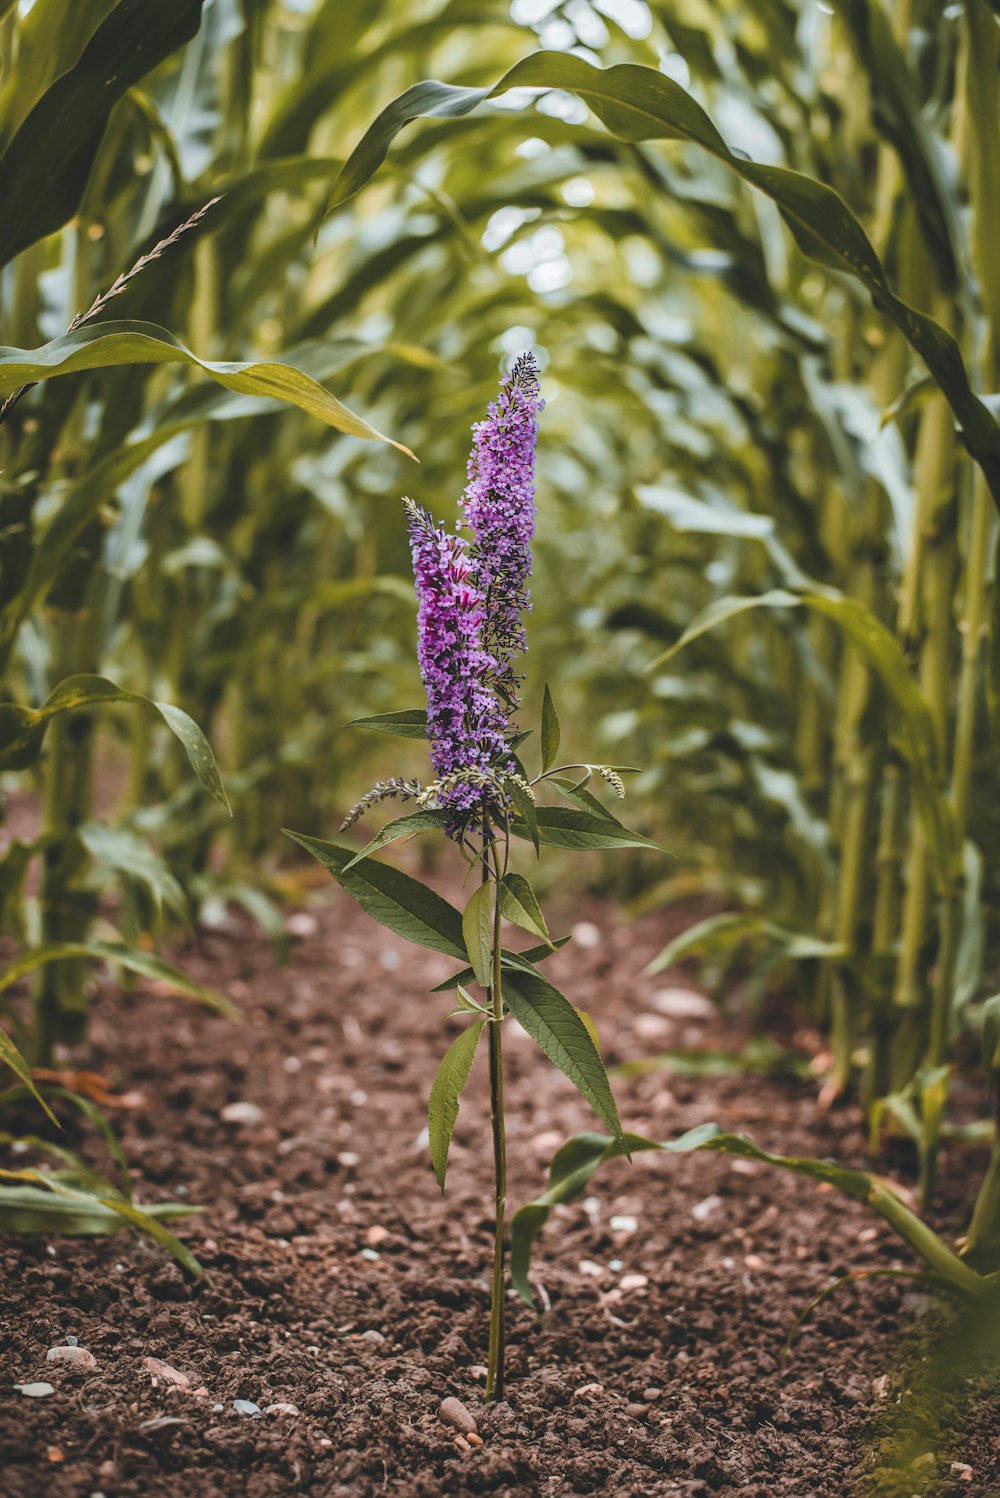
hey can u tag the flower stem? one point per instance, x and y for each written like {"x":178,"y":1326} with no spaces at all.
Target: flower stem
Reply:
{"x":495,"y":1358}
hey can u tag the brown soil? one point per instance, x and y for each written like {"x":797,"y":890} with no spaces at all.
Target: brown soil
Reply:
{"x":338,"y":1280}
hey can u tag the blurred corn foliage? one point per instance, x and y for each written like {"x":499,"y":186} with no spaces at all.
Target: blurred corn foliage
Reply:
{"x":742,"y":454}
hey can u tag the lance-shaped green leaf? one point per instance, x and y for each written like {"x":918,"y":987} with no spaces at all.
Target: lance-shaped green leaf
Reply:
{"x":44,"y":170}
{"x":409,"y":826}
{"x":107,"y":345}
{"x":396,"y":901}
{"x":559,"y":1032}
{"x":519,"y":904}
{"x":133,"y":959}
{"x":520,"y":961}
{"x":911,"y":722}
{"x":638,"y":103}
{"x":477,"y":933}
{"x":409,"y":724}
{"x":448,"y":1086}
{"x":566,"y":827}
{"x":575,"y":1163}
{"x":550,"y":731}
{"x":11,"y":1056}
{"x":22,"y":729}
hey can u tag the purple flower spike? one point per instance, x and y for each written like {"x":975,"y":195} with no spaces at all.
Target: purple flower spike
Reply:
{"x":466,"y":722}
{"x":499,"y":508}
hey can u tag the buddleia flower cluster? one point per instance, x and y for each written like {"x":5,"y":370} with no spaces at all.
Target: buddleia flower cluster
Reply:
{"x":472,"y":591}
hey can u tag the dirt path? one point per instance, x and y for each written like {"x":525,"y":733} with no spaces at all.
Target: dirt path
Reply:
{"x":339,"y":1282}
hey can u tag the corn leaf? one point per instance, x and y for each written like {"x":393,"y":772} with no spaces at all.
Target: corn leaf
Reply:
{"x":638,"y":103}
{"x":575,"y":1163}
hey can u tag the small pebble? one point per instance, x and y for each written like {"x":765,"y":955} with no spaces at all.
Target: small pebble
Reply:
{"x":301,"y":923}
{"x":683,"y":1003}
{"x":76,"y":1357}
{"x":371,"y":1254}
{"x":633,"y":1282}
{"x":281,"y":1409}
{"x":375,"y":1235}
{"x":703,"y":1210}
{"x":651,"y":1395}
{"x":372,"y":1336}
{"x":72,"y":1341}
{"x":247,"y":1407}
{"x":217,"y":1409}
{"x":623,"y":1224}
{"x":165,"y":1373}
{"x":547,"y":1142}
{"x":586,"y":934}
{"x":35,"y":1391}
{"x":462,"y":1443}
{"x":587,"y":1389}
{"x":637,"y":1411}
{"x":652,"y":1027}
{"x":474,"y":1439}
{"x":453,"y":1412}
{"x":587,"y":1266}
{"x":242,"y":1113}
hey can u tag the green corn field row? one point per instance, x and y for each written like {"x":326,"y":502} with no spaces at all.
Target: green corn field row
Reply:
{"x":754,"y":246}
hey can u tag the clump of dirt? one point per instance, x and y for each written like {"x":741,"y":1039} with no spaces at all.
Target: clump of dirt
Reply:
{"x":343,"y":1298}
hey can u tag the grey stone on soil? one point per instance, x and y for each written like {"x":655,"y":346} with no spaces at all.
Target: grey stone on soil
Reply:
{"x":247,"y":1407}
{"x":281,"y":1409}
{"x":453,"y":1412}
{"x":35,"y":1391}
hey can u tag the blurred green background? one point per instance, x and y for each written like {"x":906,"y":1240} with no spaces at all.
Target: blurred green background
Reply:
{"x":728,"y":417}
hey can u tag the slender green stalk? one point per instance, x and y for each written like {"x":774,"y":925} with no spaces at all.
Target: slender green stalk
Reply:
{"x":497,"y":1346}
{"x":929,"y":599}
{"x":979,"y":150}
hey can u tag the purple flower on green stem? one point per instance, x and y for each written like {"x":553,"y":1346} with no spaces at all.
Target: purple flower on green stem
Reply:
{"x":470,"y":602}
{"x":499,"y":510}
